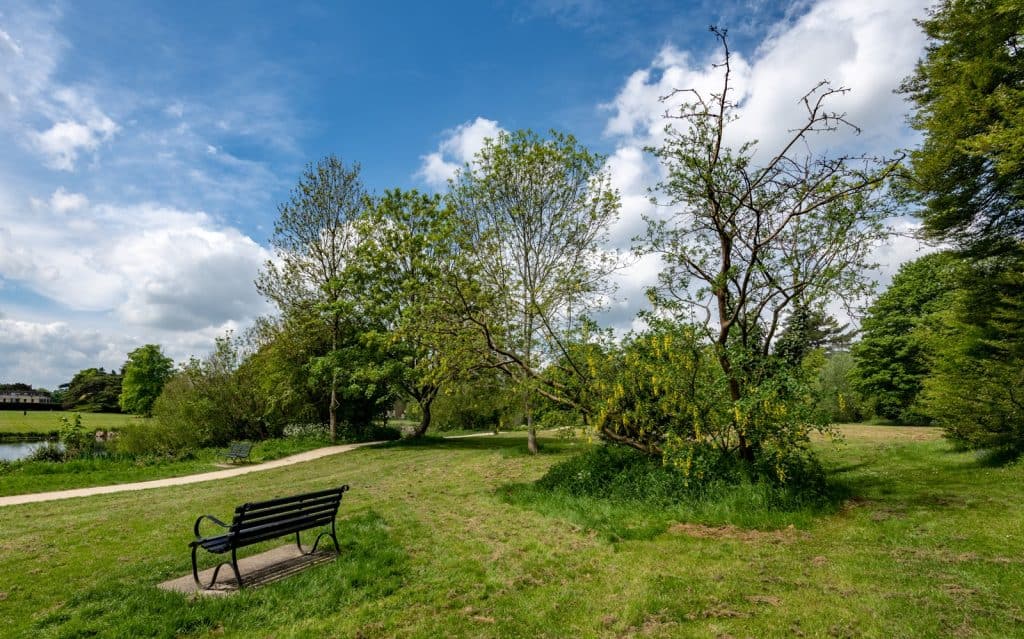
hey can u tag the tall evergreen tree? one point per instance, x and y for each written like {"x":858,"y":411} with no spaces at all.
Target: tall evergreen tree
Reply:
{"x":892,"y":357}
{"x":975,"y":387}
{"x":968,"y":91}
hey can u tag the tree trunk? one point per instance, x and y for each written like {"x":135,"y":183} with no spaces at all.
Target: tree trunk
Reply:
{"x":745,"y":451}
{"x":531,"y":432}
{"x":421,"y":430}
{"x":531,"y":440}
{"x":333,"y":409}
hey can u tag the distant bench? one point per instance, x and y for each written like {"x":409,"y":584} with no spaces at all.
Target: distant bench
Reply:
{"x":260,"y":521}
{"x":238,"y":451}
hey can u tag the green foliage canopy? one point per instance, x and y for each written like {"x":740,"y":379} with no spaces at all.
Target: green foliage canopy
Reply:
{"x":977,"y":339}
{"x":968,"y":91}
{"x":93,"y":390}
{"x":145,"y":373}
{"x":893,"y":358}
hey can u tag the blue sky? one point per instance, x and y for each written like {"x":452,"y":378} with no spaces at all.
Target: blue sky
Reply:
{"x":144,"y":146}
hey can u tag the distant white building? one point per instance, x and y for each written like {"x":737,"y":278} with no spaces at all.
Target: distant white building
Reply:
{"x":24,"y":398}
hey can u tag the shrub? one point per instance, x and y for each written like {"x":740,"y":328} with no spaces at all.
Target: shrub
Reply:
{"x":620,"y":474}
{"x":77,"y":442}
{"x":308,"y":430}
{"x":370,"y":432}
{"x":664,"y":392}
{"x":48,"y":452}
{"x":156,"y":437}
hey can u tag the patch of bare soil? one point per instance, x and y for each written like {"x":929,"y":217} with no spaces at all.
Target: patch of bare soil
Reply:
{"x":729,"y":531}
{"x":653,"y":625}
{"x":945,"y":555}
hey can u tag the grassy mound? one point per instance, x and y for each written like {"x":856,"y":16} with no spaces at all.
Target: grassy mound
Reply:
{"x":624,"y":494}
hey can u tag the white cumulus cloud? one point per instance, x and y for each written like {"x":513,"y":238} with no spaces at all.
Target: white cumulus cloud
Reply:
{"x":459,"y":146}
{"x":63,"y":202}
{"x":147,"y":264}
{"x":63,"y":141}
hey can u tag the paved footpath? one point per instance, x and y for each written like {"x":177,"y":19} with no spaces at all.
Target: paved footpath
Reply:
{"x":309,"y":455}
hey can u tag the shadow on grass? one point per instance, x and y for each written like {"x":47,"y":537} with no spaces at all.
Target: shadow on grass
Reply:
{"x":749,"y":506}
{"x":511,"y":444}
{"x":999,"y":457}
{"x":848,"y":468}
{"x":371,"y":566}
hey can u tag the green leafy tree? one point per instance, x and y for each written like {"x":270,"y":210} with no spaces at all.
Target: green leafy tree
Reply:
{"x":893,"y":358}
{"x":145,"y":373}
{"x":408,"y":246}
{"x":314,"y":239}
{"x":536,"y":214}
{"x":968,"y":91}
{"x":92,"y":390}
{"x":210,"y":401}
{"x":292,"y":358}
{"x":754,"y":231}
{"x":836,"y":395}
{"x":974,"y":389}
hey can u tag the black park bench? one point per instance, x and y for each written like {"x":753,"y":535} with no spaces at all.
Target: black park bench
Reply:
{"x":260,"y":521}
{"x":238,"y":451}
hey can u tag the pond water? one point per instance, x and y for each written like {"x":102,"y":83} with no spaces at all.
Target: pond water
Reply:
{"x":10,"y":451}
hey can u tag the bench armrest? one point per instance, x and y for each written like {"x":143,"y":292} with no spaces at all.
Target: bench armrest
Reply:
{"x":195,"y":528}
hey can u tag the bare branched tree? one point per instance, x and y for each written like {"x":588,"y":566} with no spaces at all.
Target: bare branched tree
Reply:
{"x":747,"y":238}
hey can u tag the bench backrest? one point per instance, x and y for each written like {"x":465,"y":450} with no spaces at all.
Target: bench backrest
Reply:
{"x":259,"y":521}
{"x":240,"y":449}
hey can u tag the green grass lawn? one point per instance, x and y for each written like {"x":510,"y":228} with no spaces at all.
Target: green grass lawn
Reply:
{"x":929,"y":545}
{"x":37,"y":477}
{"x":43,"y":422}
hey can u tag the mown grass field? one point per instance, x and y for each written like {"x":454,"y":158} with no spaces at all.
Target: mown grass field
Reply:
{"x":45,"y":421}
{"x":928,"y":545}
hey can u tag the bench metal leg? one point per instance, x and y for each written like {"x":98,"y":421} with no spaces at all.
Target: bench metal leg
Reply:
{"x":216,"y":571}
{"x":334,"y":538}
{"x":316,"y":542}
{"x":234,"y":565}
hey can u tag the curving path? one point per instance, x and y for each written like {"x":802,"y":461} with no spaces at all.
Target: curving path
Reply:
{"x":309,"y":455}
